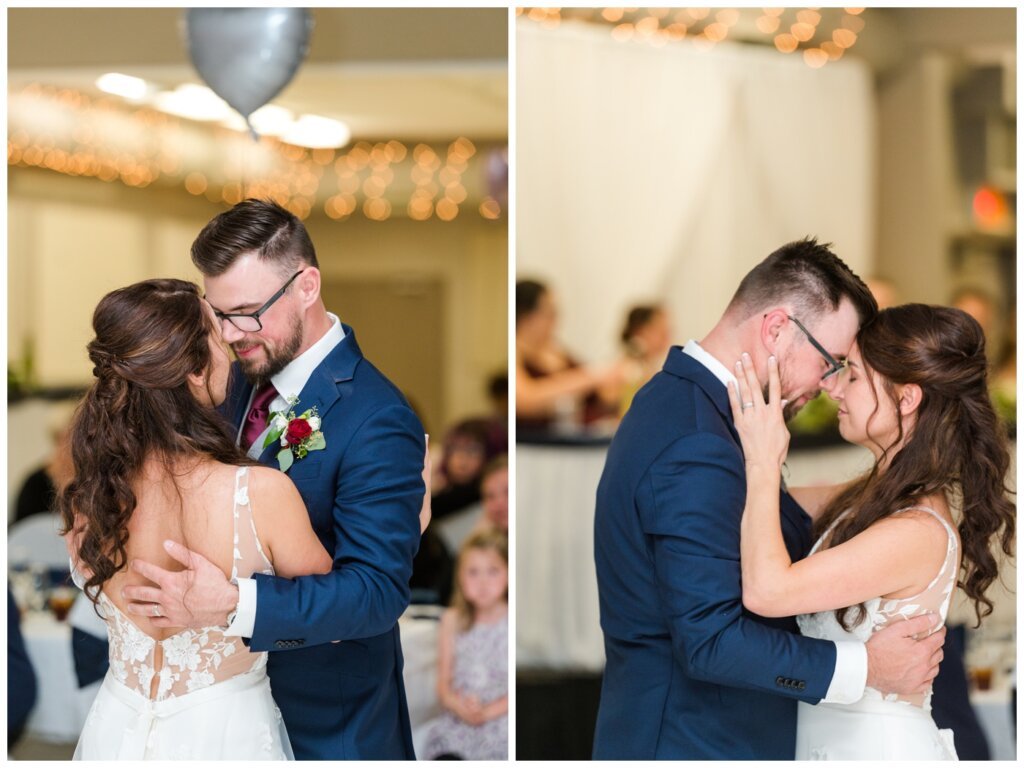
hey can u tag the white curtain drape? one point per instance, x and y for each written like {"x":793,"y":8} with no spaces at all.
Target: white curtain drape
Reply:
{"x":666,"y":173}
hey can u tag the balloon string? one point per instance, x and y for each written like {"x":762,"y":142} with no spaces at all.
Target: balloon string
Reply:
{"x":247,"y":153}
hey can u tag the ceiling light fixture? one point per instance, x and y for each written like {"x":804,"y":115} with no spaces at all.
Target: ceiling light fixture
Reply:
{"x":126,"y":86}
{"x":195,"y":102}
{"x":317,"y":132}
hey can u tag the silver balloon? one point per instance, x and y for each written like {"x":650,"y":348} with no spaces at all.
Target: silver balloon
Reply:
{"x":247,"y":55}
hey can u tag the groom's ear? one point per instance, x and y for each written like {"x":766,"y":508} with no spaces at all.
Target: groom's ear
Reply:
{"x":308,"y":284}
{"x":909,"y":398}
{"x":772,"y":324}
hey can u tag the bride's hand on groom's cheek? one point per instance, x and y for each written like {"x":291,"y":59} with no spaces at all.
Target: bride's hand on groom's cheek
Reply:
{"x":760,"y":424}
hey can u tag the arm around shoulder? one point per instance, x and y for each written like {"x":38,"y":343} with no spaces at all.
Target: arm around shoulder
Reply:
{"x":283,"y":525}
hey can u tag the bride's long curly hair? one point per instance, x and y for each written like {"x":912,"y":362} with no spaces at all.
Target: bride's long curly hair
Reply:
{"x":149,"y":337}
{"x":957,"y":445}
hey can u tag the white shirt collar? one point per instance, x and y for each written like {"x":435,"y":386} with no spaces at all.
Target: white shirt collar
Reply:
{"x":290,"y":381}
{"x":713,"y":364}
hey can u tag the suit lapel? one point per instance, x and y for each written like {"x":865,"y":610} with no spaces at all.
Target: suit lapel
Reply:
{"x":239,"y":391}
{"x":322,"y":390}
{"x":684,"y":366}
{"x":680,"y":364}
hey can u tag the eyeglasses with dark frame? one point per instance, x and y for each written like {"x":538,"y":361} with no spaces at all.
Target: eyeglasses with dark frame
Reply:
{"x":250,"y":322}
{"x":834,"y":366}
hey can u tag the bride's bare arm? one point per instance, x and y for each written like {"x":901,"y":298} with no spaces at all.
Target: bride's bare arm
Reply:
{"x":283,"y":526}
{"x":892,"y":555}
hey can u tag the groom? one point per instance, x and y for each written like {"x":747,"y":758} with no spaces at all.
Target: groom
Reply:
{"x":690,"y":674}
{"x":336,"y":658}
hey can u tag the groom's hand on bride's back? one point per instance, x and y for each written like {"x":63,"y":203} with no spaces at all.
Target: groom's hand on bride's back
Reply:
{"x":903,"y":658}
{"x":199,"y":596}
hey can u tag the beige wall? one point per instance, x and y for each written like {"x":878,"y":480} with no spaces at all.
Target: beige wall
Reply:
{"x":72,"y":240}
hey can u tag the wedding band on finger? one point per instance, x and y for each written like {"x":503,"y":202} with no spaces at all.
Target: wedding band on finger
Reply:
{"x":156,"y":611}
{"x":747,"y":405}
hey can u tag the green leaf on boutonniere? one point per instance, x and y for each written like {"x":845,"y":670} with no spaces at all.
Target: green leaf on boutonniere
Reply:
{"x":284,"y":459}
{"x":273,"y":436}
{"x":316,"y":442}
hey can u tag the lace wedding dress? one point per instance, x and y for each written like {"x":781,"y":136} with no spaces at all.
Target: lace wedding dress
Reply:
{"x":197,"y":695}
{"x":879,"y":726}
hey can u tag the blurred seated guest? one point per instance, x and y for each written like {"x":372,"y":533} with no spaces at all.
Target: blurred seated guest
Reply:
{"x":1000,"y":341}
{"x":983,"y":307}
{"x":39,"y":491}
{"x":497,"y":422}
{"x":551,"y":385}
{"x":647,"y":337}
{"x":1004,"y":376}
{"x":456,"y":482}
{"x":21,"y":678}
{"x":472,"y":657}
{"x":494,"y":489}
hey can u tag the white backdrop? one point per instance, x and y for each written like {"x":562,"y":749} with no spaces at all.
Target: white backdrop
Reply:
{"x":666,"y":173}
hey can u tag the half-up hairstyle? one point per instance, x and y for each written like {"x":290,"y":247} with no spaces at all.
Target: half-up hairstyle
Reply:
{"x":149,"y":337}
{"x":957,"y":446}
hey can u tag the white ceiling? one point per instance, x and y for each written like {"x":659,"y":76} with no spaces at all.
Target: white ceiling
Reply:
{"x":408,"y":74}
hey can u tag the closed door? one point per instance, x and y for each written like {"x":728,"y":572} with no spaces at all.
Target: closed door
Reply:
{"x":399,"y":325}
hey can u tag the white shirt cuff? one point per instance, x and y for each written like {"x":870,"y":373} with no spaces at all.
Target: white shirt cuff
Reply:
{"x":245,"y":618}
{"x":851,"y":674}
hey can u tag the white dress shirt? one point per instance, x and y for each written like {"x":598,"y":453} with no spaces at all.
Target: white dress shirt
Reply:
{"x":851,"y":672}
{"x":288,"y":383}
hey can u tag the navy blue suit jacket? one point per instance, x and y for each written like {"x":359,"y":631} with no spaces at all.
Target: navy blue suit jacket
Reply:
{"x":364,"y":491}
{"x":690,"y":673}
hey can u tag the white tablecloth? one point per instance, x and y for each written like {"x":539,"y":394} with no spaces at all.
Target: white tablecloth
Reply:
{"x":61,"y":708}
{"x":557,"y":618}
{"x":993,"y":711}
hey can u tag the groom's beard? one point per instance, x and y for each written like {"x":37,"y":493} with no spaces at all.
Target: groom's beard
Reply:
{"x":260,"y":372}
{"x":790,"y":409}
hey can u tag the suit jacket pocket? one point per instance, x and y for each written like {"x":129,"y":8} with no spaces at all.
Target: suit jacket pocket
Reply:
{"x":305,"y":469}
{"x":349,"y":657}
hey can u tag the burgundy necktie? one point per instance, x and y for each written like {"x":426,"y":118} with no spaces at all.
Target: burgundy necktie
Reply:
{"x":256,"y":421}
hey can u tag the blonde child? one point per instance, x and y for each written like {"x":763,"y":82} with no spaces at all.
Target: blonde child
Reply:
{"x":472,"y":659}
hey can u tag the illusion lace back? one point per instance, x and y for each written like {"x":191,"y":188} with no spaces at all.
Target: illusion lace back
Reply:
{"x":194,"y":658}
{"x":881,"y":612}
{"x":196,"y":695}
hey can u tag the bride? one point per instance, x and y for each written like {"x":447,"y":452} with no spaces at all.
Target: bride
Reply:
{"x":154,"y":462}
{"x":889,"y":546}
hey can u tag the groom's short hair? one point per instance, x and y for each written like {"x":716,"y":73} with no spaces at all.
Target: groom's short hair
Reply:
{"x":276,"y":235}
{"x":806,"y":274}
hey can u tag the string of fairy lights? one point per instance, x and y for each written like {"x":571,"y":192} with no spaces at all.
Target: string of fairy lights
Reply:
{"x":367,"y":178}
{"x":820,"y":35}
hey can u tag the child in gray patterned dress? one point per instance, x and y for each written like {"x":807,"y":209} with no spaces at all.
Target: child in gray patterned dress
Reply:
{"x":472,"y":663}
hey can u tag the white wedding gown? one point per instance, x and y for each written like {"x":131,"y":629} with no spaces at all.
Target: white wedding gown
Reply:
{"x":879,"y":727}
{"x":212,"y":697}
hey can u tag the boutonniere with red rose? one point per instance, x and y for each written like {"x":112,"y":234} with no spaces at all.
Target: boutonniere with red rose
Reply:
{"x":298,"y":435}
